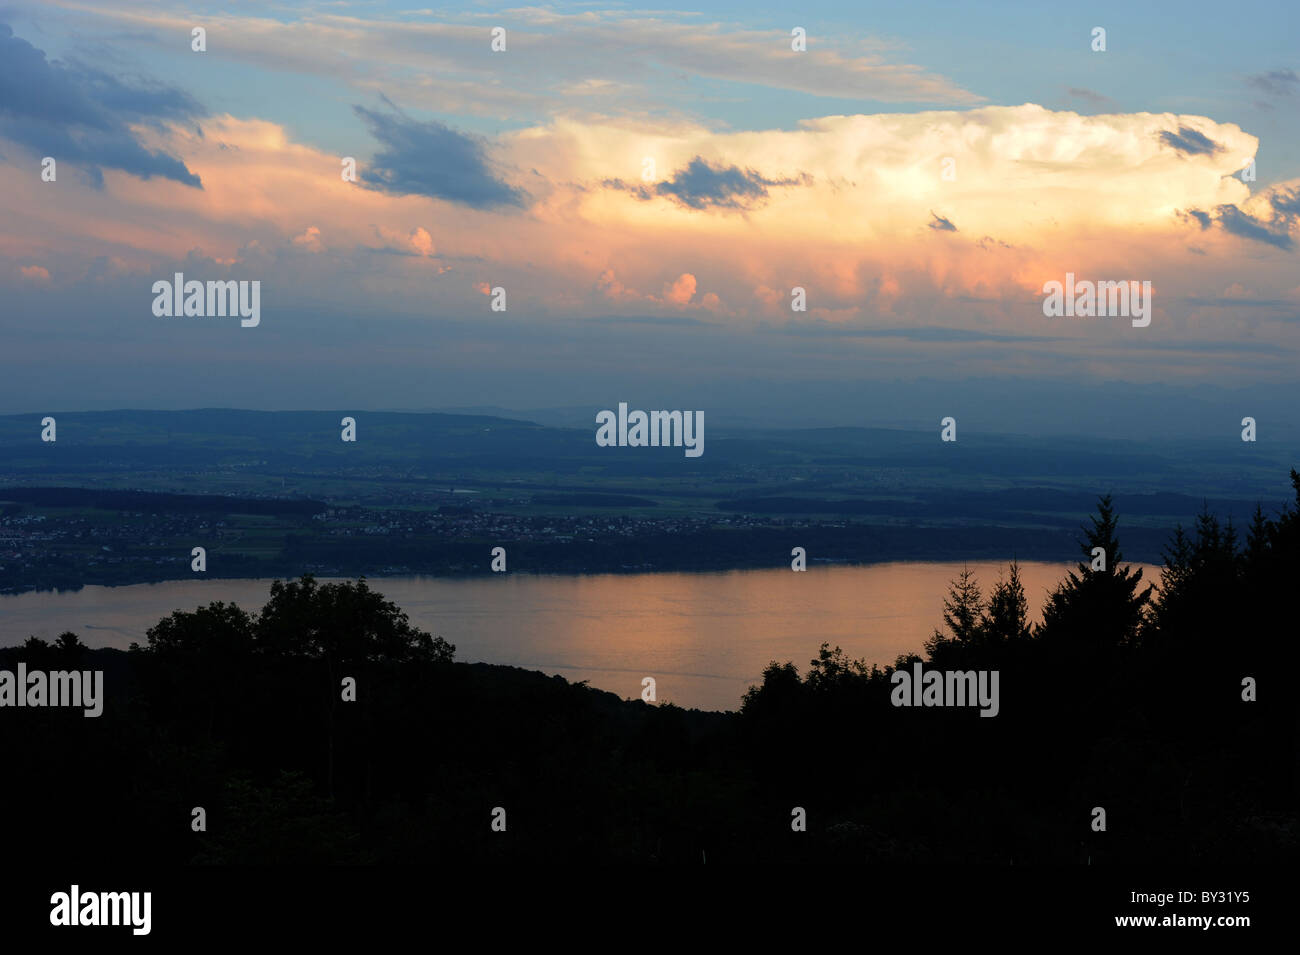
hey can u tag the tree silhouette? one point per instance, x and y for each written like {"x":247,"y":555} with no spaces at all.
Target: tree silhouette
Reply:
{"x":1007,"y":616}
{"x":1257,"y":539}
{"x":346,"y":628}
{"x":1099,"y":608}
{"x":1201,"y":584}
{"x":962,"y":608}
{"x":69,"y":645}
{"x":345,"y":624}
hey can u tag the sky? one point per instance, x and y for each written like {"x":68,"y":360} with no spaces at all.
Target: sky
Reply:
{"x":649,"y":186}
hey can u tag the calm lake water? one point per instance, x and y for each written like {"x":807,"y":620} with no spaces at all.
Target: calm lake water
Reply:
{"x":704,"y":637}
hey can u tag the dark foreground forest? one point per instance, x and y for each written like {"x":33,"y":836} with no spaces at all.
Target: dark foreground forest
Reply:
{"x":1172,"y":709}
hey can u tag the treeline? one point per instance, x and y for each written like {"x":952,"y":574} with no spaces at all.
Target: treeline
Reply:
{"x":71,"y":571}
{"x":325,"y":728}
{"x":1172,"y":710}
{"x":155,"y":502}
{"x":715,"y":548}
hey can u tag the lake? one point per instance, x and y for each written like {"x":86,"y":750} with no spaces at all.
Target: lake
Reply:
{"x":704,"y":637}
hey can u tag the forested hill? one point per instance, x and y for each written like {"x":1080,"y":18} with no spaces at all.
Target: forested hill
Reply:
{"x":324,"y":728}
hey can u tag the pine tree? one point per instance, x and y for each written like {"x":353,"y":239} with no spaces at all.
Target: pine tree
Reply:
{"x":1175,"y":578}
{"x":1099,"y":605}
{"x":962,"y":608}
{"x":1178,"y":564}
{"x":1007,"y":617}
{"x":1257,"y":539}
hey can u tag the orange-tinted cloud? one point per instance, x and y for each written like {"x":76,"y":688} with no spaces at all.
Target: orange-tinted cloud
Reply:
{"x":680,"y":291}
{"x":847,"y":213}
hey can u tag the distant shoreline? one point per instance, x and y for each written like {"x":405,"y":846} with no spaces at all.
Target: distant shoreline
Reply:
{"x":326,"y":576}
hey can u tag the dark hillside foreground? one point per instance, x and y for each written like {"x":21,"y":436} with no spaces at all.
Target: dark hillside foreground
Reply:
{"x":1169,"y":710}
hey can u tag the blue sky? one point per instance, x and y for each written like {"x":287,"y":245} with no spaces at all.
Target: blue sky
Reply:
{"x":1162,"y":57}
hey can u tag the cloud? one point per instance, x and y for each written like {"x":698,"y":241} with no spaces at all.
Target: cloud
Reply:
{"x":1190,"y":141}
{"x":1092,"y":98}
{"x":554,"y":58}
{"x":701,"y":186}
{"x":1060,"y":192}
{"x":83,"y":116}
{"x":1242,"y":224}
{"x":1285,"y":203}
{"x":421,"y":241}
{"x":609,"y":286}
{"x":430,"y":159}
{"x":1276,"y":82}
{"x":309,"y":240}
{"x":680,"y":291}
{"x":35,"y":273}
{"x":1268,"y":217}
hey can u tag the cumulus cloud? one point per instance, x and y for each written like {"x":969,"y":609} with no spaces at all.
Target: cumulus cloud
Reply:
{"x":1285,"y":202}
{"x":1269,"y":217}
{"x":421,"y":241}
{"x":1243,"y":224}
{"x":430,"y":159}
{"x":309,"y":240}
{"x":83,"y":116}
{"x":1190,"y":141}
{"x":1038,"y":193}
{"x":680,"y":291}
{"x":738,"y":216}
{"x":1024,"y":173}
{"x":701,"y":186}
{"x":609,"y":286}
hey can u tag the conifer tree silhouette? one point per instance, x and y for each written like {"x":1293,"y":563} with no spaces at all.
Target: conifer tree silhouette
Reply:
{"x":1007,"y":616}
{"x":963,"y":606}
{"x":1098,"y":609}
